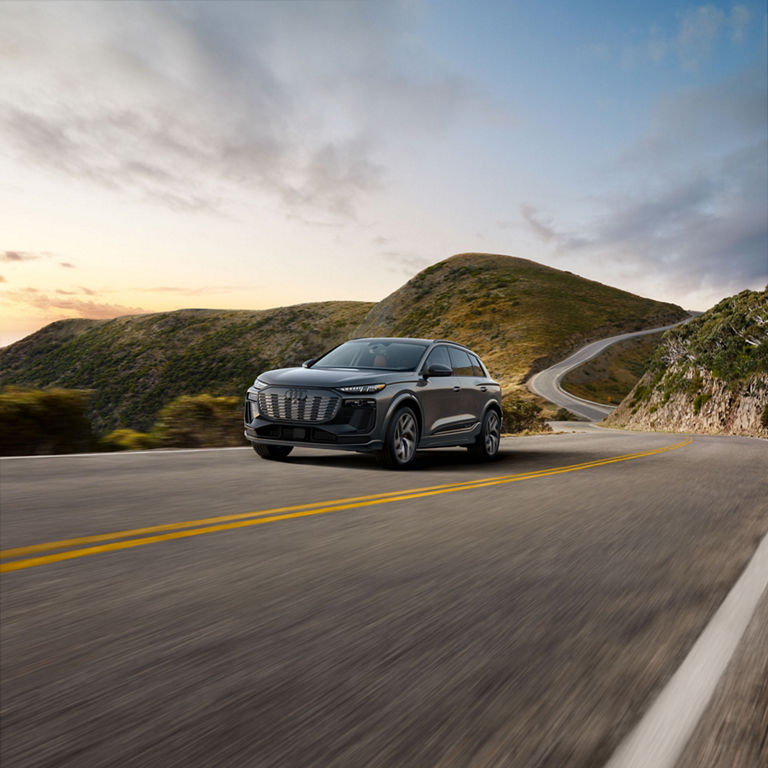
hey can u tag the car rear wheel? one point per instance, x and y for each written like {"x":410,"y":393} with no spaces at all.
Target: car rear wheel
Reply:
{"x":274,"y":452}
{"x":489,"y":439}
{"x":402,"y":439}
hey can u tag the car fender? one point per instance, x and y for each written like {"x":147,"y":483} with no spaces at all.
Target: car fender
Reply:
{"x":494,"y":404}
{"x":405,"y":398}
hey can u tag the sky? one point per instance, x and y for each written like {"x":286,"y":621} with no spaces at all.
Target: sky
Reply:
{"x":162,"y":155}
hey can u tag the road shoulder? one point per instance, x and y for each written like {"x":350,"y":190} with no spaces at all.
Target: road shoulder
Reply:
{"x":733,"y":732}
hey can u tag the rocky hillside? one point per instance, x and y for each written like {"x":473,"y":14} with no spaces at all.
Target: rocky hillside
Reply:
{"x":709,"y":375}
{"x":137,"y":364}
{"x":518,"y":315}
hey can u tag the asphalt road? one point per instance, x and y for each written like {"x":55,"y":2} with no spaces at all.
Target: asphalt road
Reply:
{"x":546,"y":383}
{"x":526,"y":620}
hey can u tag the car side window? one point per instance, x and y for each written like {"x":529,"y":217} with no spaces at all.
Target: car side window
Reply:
{"x":438,"y":356}
{"x":462,"y":365}
{"x":476,"y":365}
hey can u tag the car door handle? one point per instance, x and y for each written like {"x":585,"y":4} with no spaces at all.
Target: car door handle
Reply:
{"x":456,"y":388}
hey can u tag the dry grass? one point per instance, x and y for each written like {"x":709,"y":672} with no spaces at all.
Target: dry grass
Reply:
{"x":518,"y":315}
{"x":610,"y":377}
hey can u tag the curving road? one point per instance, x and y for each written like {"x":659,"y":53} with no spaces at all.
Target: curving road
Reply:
{"x":209,"y":608}
{"x":546,"y":383}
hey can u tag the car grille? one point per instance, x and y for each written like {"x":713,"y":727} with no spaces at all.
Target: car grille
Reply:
{"x":298,"y":405}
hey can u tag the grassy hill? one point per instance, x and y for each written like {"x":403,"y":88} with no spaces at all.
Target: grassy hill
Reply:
{"x":137,"y":364}
{"x":709,"y":375}
{"x":520,"y":316}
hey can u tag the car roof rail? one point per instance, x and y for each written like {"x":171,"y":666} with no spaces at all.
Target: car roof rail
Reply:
{"x":455,"y":343}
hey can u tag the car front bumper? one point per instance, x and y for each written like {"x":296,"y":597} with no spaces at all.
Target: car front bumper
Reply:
{"x":352,"y":429}
{"x":300,"y":435}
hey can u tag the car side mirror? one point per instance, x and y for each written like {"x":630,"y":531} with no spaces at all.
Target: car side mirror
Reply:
{"x":438,"y":369}
{"x":309,"y":363}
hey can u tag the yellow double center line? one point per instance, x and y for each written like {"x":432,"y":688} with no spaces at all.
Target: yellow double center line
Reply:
{"x":16,"y":559}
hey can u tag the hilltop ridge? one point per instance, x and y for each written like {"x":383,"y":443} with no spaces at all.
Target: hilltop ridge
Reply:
{"x":520,"y":316}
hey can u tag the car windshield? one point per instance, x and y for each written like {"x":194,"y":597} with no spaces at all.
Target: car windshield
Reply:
{"x":374,"y":354}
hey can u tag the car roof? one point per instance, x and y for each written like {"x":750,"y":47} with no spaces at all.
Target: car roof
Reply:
{"x":410,"y":339}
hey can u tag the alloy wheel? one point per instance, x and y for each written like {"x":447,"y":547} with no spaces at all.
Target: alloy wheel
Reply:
{"x":492,"y":435}
{"x":404,"y":438}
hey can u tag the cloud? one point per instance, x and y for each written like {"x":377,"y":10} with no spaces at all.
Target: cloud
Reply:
{"x":700,"y":29}
{"x":19,"y":256}
{"x":32,"y":297}
{"x":687,"y":210}
{"x":707,"y":234}
{"x":403,"y":263}
{"x":172,"y":289}
{"x":190,"y":104}
{"x":695,"y":123}
{"x":335,"y":176}
{"x":546,"y":231}
{"x":181,"y":291}
{"x":738,"y":22}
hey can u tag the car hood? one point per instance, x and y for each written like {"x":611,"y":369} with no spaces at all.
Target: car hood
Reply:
{"x":331,"y":377}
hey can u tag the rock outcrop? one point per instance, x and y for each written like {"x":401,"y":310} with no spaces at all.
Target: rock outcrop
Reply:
{"x":707,"y":405}
{"x":708,"y":376}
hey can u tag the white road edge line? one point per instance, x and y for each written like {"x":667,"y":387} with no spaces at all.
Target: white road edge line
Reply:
{"x":153,"y":452}
{"x":663,"y":733}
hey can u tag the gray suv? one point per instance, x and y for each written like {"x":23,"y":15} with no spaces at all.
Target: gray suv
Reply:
{"x":388,"y":395}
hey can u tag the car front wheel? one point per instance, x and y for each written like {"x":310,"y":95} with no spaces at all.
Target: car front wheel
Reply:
{"x":489,"y":439}
{"x":274,"y":452}
{"x":402,"y":439}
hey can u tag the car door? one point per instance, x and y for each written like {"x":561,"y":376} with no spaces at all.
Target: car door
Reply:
{"x":483,"y":387}
{"x":465,"y":379}
{"x":440,"y":396}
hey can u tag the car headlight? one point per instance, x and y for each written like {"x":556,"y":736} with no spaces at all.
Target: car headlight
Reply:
{"x":362,"y":389}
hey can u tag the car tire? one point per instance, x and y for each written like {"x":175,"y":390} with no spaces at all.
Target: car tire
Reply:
{"x":401,"y":440}
{"x":273,"y":452}
{"x":488,"y":441}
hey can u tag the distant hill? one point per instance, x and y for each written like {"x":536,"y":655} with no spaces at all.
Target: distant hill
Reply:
{"x":709,"y":375}
{"x":137,"y":364}
{"x":519,"y":315}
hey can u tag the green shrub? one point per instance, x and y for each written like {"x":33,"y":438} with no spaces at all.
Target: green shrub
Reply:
{"x":127,"y":440}
{"x":563,"y":414}
{"x":700,"y":400}
{"x":42,"y":421}
{"x":642,"y":392}
{"x":519,"y":415}
{"x":200,"y":421}
{"x":730,"y":341}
